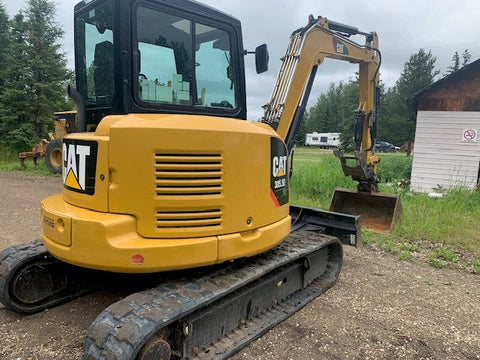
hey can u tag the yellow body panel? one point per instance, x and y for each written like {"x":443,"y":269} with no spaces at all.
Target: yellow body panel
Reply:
{"x":57,"y":224}
{"x":170,"y":192}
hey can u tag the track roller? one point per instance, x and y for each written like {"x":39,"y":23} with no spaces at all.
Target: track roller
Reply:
{"x":156,"y":348}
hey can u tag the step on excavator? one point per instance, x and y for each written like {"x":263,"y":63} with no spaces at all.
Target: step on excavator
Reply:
{"x":174,"y":182}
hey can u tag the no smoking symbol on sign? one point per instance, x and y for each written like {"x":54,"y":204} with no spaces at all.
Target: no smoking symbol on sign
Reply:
{"x":469,"y":135}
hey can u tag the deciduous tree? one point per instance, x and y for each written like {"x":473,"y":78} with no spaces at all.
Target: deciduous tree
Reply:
{"x":466,"y":57}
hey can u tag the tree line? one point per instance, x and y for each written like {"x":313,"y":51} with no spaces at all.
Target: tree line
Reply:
{"x":334,"y":110}
{"x":33,"y":74}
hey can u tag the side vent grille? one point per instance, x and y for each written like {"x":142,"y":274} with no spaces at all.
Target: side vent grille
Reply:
{"x":188,"y":174}
{"x":189,"y":219}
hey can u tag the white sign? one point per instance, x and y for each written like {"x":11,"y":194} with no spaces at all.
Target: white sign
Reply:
{"x":469,"y":135}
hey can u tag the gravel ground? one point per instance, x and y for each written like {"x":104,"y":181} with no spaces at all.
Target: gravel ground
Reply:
{"x":380,"y":308}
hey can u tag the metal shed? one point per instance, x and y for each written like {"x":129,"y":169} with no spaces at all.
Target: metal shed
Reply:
{"x":447,"y":139}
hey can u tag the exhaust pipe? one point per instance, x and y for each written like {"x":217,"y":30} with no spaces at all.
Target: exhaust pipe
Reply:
{"x":80,"y":104}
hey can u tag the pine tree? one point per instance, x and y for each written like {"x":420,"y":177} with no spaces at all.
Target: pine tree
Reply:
{"x":36,"y":76}
{"x":47,"y":64}
{"x":455,"y":63}
{"x":4,"y":43}
{"x":16,"y":132}
{"x":418,"y":73}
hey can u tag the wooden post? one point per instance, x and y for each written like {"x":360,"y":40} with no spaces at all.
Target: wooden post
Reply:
{"x":409,"y":148}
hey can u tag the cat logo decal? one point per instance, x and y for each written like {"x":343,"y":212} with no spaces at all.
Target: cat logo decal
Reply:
{"x":79,"y":165}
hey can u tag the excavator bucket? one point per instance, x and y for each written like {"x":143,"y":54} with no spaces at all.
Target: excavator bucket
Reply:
{"x":379,"y":212}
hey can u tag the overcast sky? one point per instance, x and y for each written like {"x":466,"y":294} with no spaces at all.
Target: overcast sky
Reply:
{"x":403,"y":27}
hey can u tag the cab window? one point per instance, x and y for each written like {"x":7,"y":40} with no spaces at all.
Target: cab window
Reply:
{"x":213,"y":67}
{"x":183,"y":62}
{"x":94,"y":51}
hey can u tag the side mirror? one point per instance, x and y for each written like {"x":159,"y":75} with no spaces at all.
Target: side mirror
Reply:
{"x":261,"y":58}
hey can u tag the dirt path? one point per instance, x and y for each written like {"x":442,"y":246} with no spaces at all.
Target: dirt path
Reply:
{"x":380,"y":308}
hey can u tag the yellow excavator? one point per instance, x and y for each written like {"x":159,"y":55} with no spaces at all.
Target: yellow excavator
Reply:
{"x":173,"y":178}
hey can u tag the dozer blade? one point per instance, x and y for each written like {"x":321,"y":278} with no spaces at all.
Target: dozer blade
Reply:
{"x":379,"y":212}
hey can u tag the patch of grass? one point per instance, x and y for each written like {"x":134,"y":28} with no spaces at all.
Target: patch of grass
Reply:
{"x":394,"y":167}
{"x":436,"y":263}
{"x":405,"y":255}
{"x":476,"y":266}
{"x":318,"y":172}
{"x":441,"y":257}
{"x":7,"y":156}
{"x":315,"y":176}
{"x":10,"y":162}
{"x":389,"y":245}
{"x":409,"y":247}
{"x":446,"y":254}
{"x":449,"y":220}
{"x":449,"y":223}
{"x":368,"y":238}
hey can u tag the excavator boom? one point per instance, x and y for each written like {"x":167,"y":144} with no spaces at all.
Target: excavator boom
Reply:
{"x":309,"y":46}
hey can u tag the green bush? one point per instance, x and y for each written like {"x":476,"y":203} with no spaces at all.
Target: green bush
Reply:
{"x":7,"y":155}
{"x":394,"y":168}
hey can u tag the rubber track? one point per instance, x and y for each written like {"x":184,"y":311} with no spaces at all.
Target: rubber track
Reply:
{"x":14,"y":257}
{"x":255,"y":328}
{"x":121,"y":330}
{"x":9,"y":258}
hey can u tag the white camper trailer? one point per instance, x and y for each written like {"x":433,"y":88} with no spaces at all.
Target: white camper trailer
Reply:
{"x":323,"y":140}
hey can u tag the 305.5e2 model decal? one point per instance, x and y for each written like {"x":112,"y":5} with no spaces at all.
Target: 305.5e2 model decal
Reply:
{"x":278,"y":172}
{"x":79,"y":165}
